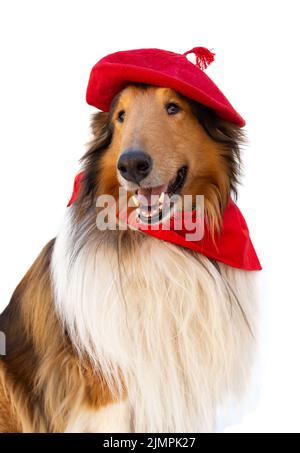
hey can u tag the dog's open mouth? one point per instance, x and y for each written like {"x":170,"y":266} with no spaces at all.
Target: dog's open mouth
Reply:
{"x":153,"y":204}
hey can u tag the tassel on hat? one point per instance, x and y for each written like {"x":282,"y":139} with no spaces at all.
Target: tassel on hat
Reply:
{"x":204,"y":57}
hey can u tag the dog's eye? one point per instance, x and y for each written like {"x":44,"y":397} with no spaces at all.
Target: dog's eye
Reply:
{"x":172,"y":108}
{"x":121,"y":116}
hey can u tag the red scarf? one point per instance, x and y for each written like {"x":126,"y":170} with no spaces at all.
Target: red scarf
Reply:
{"x":231,"y":246}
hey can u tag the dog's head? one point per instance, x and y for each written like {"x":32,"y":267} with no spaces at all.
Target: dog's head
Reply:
{"x":154,"y":142}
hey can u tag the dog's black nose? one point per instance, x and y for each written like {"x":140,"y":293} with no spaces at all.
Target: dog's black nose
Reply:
{"x":134,"y":165}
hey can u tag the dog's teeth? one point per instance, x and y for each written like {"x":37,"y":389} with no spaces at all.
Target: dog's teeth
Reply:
{"x":161,"y":198}
{"x":136,"y":201}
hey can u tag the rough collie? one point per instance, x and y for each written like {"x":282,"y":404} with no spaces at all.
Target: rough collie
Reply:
{"x":115,"y":330}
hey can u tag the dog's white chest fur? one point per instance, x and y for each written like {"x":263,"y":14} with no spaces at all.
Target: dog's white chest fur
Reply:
{"x":173,"y":324}
{"x":109,"y":419}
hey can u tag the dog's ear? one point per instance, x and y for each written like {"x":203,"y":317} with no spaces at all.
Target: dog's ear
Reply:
{"x":231,"y":139}
{"x":101,"y":129}
{"x":101,"y":137}
{"x":101,"y":134}
{"x":229,"y":136}
{"x":99,"y":123}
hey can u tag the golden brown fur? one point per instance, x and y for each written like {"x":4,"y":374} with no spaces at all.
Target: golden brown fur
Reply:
{"x":42,"y":379}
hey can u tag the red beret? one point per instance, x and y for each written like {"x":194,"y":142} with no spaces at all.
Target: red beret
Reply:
{"x":161,"y":68}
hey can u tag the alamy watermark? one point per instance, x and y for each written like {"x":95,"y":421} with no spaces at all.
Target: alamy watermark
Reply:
{"x":152,"y":212}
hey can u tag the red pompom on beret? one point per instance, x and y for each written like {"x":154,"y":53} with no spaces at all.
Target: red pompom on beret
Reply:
{"x":160,"y":68}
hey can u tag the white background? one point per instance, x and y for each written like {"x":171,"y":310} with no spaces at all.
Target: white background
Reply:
{"x":47,"y":51}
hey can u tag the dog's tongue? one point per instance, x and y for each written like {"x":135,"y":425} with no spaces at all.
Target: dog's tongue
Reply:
{"x":150,"y":196}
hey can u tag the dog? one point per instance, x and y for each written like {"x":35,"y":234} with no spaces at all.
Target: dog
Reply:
{"x":117,"y":330}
